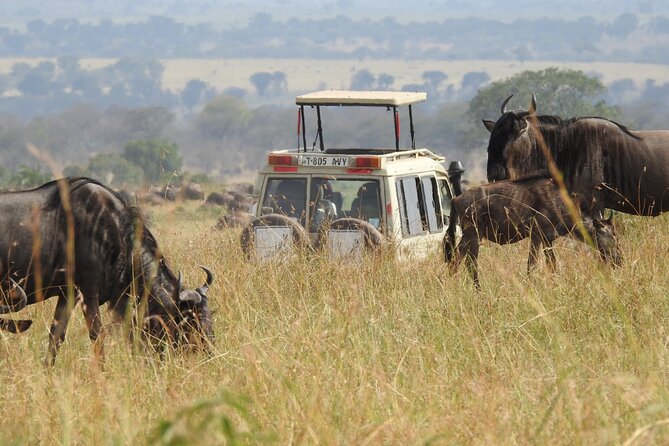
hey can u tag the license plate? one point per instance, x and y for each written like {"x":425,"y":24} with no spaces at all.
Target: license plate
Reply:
{"x":322,"y":161}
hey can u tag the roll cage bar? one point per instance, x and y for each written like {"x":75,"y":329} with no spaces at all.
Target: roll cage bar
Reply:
{"x":340,"y":98}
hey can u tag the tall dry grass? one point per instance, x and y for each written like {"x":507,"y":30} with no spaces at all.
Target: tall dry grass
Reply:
{"x":320,"y":352}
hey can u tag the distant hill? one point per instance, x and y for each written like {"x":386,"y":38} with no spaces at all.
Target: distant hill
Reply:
{"x":625,"y":38}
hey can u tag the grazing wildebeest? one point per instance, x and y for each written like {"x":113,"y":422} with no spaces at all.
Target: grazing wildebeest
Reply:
{"x":75,"y":236}
{"x":603,"y":161}
{"x":509,"y":211}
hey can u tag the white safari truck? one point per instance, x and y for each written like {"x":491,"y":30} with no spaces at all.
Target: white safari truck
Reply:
{"x":345,"y":201}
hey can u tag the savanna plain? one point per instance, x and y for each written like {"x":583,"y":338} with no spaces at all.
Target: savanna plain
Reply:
{"x":313,"y":351}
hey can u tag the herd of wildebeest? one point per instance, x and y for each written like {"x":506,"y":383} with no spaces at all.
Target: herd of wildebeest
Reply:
{"x":78,"y":240}
{"x":549,"y":177}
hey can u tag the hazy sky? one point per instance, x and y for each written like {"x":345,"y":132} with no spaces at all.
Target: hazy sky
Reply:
{"x":16,"y":13}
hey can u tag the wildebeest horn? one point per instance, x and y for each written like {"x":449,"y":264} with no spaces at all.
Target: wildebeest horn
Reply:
{"x":610,"y":215}
{"x":506,"y":101}
{"x":190,"y":296}
{"x":533,"y":104}
{"x":178,"y":287}
{"x":20,"y":304}
{"x":210,"y":279}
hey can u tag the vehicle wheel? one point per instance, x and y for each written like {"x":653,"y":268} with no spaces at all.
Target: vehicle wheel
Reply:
{"x":373,"y":238}
{"x":247,"y":240}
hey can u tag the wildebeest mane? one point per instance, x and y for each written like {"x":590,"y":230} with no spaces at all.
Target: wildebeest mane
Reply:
{"x":567,"y":142}
{"x":73,"y":184}
{"x":552,"y":120}
{"x":147,"y":262}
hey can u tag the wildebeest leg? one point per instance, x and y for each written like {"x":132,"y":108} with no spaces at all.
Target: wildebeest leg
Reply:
{"x":61,"y":318}
{"x":535,"y":245}
{"x":537,"y":241}
{"x":469,"y":250}
{"x":550,"y":255}
{"x":91,"y":308}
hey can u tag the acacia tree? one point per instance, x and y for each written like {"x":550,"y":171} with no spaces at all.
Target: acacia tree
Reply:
{"x":362,"y":80}
{"x":195,"y":92}
{"x":114,"y":169}
{"x":565,"y":93}
{"x":158,"y":159}
{"x":269,"y":84}
{"x":223,"y":116}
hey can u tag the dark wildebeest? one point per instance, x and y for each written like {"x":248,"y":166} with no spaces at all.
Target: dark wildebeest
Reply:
{"x":509,"y":211}
{"x":76,"y":236}
{"x":606,"y":163}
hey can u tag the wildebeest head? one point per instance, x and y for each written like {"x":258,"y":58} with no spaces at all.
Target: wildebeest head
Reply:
{"x":173,"y":315}
{"x":196,"y":327}
{"x":13,"y":300}
{"x":603,"y":233}
{"x":511,"y":138}
{"x":183,"y":318}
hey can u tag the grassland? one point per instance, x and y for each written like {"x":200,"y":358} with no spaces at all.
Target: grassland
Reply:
{"x":315,"y":352}
{"x":311,"y":74}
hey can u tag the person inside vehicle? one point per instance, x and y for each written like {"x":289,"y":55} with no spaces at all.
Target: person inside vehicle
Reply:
{"x":289,"y":198}
{"x":321,"y":202}
{"x":366,"y":205}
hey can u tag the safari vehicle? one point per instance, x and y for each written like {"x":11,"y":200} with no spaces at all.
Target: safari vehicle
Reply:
{"x":348,"y":200}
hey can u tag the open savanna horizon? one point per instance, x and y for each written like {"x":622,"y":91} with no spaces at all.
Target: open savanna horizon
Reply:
{"x":305,"y":75}
{"x":320,"y":352}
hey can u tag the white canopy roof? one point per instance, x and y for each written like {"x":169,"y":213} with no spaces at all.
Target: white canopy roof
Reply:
{"x":373,"y":98}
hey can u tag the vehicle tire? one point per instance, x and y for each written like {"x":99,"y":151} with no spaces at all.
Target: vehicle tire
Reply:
{"x":247,"y":239}
{"x":373,"y":238}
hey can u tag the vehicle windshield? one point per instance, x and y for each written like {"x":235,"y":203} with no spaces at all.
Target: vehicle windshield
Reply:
{"x":329,"y":198}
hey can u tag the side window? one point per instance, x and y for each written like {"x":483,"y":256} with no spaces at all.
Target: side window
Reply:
{"x":402,"y":207}
{"x":432,"y":204}
{"x":446,"y":198}
{"x":412,"y":206}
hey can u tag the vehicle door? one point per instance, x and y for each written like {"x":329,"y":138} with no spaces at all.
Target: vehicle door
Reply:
{"x":421,"y":201}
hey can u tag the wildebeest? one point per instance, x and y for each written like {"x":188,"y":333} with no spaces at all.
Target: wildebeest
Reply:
{"x":605,"y":162}
{"x":509,"y":211}
{"x":76,"y":236}
{"x":192,"y":191}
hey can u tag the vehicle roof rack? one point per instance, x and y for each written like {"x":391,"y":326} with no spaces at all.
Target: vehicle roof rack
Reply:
{"x":361,"y":98}
{"x":360,"y":151}
{"x":388,"y":99}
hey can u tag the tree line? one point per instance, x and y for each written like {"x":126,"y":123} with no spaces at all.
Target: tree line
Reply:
{"x":228,"y":138}
{"x":584,"y":39}
{"x":32,"y":90}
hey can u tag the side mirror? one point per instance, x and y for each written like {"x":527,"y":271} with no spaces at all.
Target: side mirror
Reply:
{"x":455,"y":171}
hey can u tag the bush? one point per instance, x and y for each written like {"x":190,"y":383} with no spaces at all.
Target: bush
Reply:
{"x":158,"y":159}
